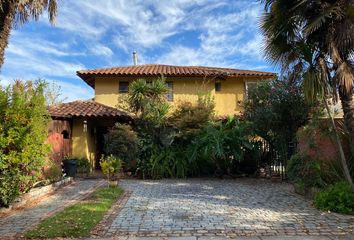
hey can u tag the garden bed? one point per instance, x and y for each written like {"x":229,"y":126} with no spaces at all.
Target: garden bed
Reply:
{"x":35,"y":194}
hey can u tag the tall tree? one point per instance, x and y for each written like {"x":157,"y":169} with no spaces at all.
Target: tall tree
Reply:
{"x":315,"y":38}
{"x":18,"y":12}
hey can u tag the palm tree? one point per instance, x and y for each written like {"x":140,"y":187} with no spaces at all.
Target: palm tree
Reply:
{"x":14,"y":12}
{"x":315,"y":38}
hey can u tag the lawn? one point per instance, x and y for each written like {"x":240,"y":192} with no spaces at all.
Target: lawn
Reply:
{"x":79,"y":219}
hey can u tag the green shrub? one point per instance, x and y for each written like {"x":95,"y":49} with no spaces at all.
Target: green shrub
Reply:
{"x":9,"y":182}
{"x":123,"y":142}
{"x":110,"y":166}
{"x":83,"y":165}
{"x":188,"y":119}
{"x":223,"y":144}
{"x":54,"y":172}
{"x":168,"y":163}
{"x":337,"y":198}
{"x":312,"y":172}
{"x":23,"y":124}
{"x":276,"y":110}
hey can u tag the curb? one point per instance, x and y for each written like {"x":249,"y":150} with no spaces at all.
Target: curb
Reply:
{"x":34,"y":195}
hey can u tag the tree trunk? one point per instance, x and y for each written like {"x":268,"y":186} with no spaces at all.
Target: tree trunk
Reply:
{"x":345,"y":91}
{"x":348,"y":110}
{"x":341,"y":152}
{"x":7,"y":13}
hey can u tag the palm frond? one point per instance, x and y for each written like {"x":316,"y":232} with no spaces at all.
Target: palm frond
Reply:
{"x":27,"y":9}
{"x":314,"y":88}
{"x":319,"y":19}
{"x":344,"y":76}
{"x":344,"y":37}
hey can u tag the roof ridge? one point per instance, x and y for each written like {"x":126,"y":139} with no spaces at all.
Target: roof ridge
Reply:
{"x":156,"y":69}
{"x":169,"y":65}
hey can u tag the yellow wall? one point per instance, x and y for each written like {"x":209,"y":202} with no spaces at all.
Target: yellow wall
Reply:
{"x":83,"y":143}
{"x":227,"y":102}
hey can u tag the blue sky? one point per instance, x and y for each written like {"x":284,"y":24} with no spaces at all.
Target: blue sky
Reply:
{"x":93,"y":34}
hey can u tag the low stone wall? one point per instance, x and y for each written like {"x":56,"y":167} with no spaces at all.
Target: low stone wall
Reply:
{"x":35,"y":194}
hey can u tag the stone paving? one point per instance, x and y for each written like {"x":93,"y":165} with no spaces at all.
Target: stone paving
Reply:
{"x":199,"y":208}
{"x":21,"y":220}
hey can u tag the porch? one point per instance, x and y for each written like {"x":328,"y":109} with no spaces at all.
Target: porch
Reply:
{"x":77,"y":129}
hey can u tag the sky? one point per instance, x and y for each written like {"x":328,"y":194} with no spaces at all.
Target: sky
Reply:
{"x":92,"y":34}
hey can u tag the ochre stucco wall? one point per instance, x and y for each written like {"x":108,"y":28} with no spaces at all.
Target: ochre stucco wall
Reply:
{"x":227,"y":102}
{"x":83,"y":142}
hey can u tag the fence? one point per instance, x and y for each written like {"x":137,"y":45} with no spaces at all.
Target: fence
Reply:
{"x":273,"y":161}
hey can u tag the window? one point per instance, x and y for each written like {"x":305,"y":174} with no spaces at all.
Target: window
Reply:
{"x":250,"y":86}
{"x":217,"y":86}
{"x":123,"y":87}
{"x":169,"y":94}
{"x":65,"y":134}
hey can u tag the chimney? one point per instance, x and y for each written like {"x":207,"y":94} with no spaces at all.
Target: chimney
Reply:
{"x":135,"y":58}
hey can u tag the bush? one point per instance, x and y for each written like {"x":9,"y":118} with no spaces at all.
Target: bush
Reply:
{"x":83,"y":165}
{"x":188,"y":119}
{"x":23,"y":124}
{"x":223,"y":144}
{"x":54,"y":171}
{"x":110,"y":166}
{"x":9,"y":182}
{"x":123,"y":142}
{"x":168,"y":163}
{"x":337,"y":198}
{"x":312,"y":172}
{"x":305,"y":170}
{"x":277,"y":109}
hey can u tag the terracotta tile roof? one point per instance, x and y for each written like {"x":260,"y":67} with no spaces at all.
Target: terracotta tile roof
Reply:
{"x":168,"y":70}
{"x":85,"y":109}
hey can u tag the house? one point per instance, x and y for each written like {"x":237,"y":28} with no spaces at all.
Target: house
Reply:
{"x":87,"y":121}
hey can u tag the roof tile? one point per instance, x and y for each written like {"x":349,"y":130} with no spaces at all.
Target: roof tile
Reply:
{"x":169,"y":70}
{"x":85,"y":109}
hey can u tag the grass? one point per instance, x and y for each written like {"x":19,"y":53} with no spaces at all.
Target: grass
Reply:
{"x":79,"y":219}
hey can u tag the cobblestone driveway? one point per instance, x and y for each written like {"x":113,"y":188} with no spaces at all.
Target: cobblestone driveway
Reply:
{"x":242,"y":207}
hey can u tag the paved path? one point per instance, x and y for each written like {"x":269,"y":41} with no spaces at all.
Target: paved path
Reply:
{"x":199,"y":208}
{"x":22,"y":220}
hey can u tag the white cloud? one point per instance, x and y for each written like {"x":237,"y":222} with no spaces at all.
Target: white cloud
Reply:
{"x":141,"y":25}
{"x":91,"y":33}
{"x":226,"y":40}
{"x":101,"y":50}
{"x":72,"y":91}
{"x":35,"y":56}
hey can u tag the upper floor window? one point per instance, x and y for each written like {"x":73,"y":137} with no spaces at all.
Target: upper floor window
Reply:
{"x":123,"y":87}
{"x":169,"y":94}
{"x":217,"y":86}
{"x":250,"y":85}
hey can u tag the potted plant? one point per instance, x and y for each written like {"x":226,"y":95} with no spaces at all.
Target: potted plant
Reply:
{"x":110,"y":165}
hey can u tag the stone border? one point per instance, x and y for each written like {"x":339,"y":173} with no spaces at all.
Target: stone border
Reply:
{"x":101,"y":229}
{"x":34,"y":195}
{"x":232,"y":233}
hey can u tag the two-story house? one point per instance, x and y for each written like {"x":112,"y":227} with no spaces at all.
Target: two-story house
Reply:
{"x":87,"y":121}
